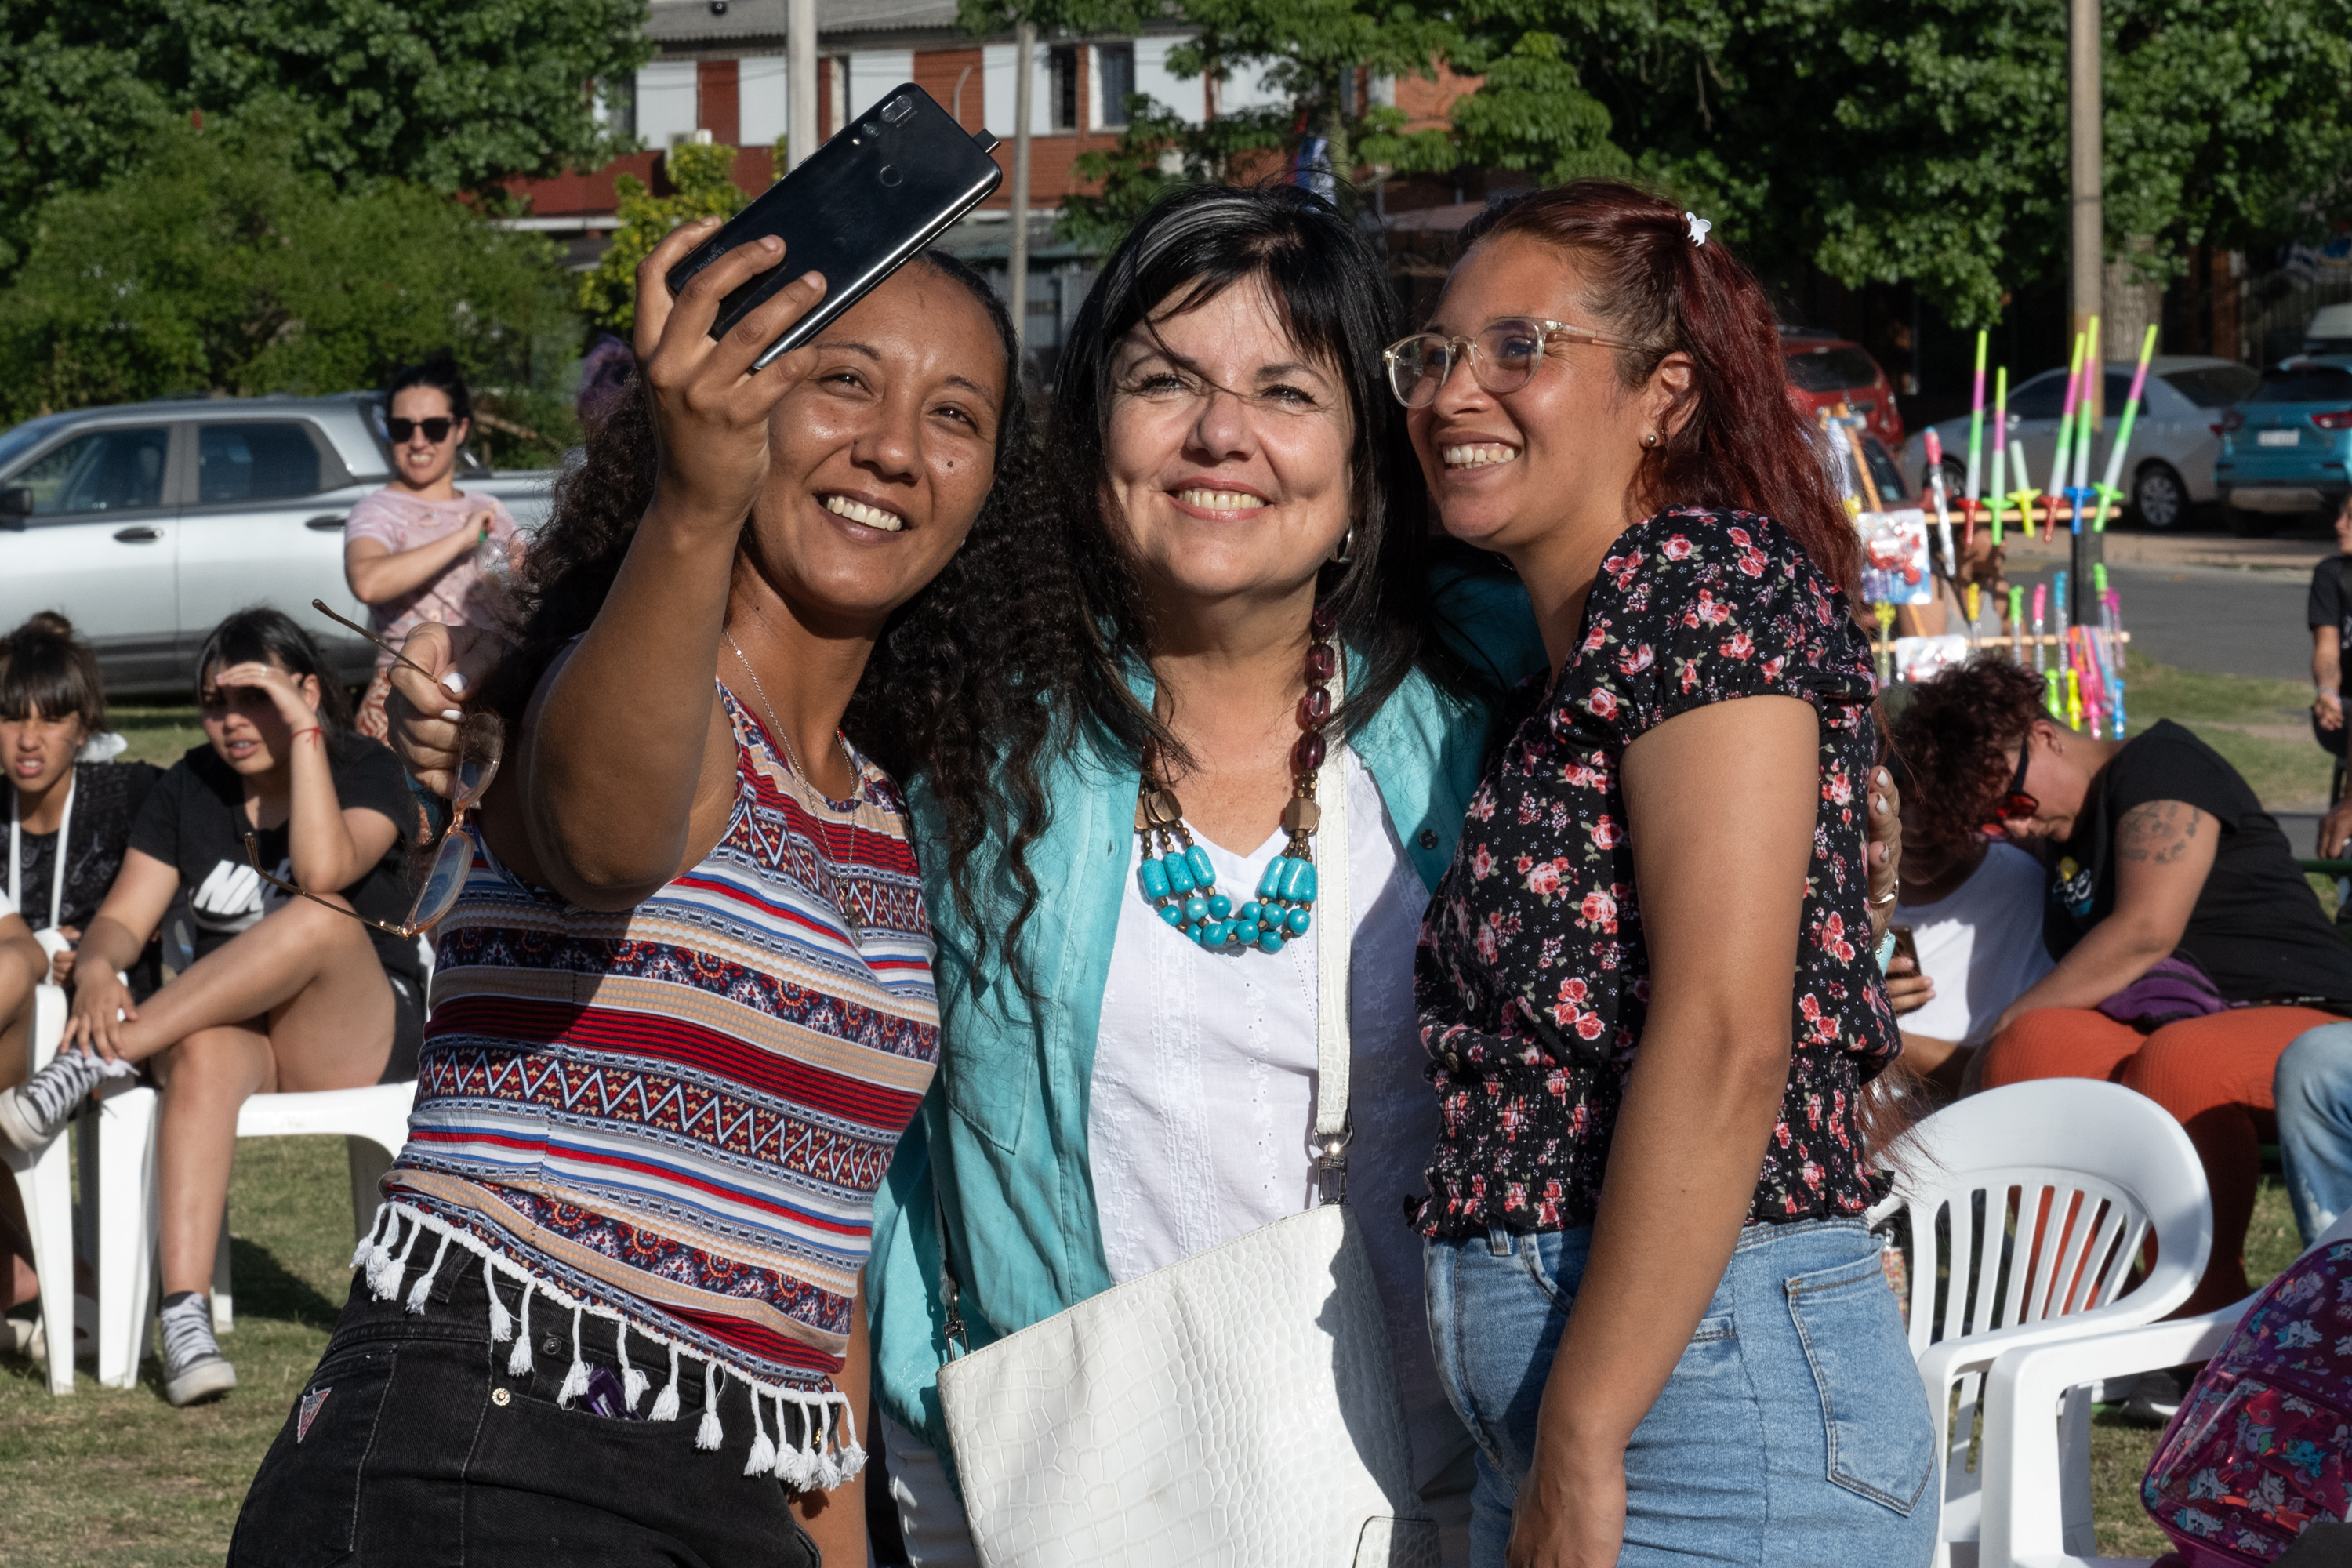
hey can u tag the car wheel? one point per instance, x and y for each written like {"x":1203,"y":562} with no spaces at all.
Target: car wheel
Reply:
{"x":1956,"y":479}
{"x":2160,"y":496}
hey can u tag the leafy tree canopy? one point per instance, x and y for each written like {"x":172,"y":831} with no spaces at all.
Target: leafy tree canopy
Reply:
{"x":703,"y":188}
{"x":450,"y":95}
{"x":229,"y":267}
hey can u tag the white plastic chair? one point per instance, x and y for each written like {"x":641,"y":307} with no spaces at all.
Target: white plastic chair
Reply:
{"x":2046,"y":1193}
{"x":2037,"y":1491}
{"x":44,"y":1181}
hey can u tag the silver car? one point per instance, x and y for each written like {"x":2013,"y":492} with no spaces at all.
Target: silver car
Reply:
{"x":147,"y":523}
{"x":2174,"y":442}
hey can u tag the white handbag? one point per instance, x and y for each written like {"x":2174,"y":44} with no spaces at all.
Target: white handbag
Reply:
{"x":1237,"y":1409}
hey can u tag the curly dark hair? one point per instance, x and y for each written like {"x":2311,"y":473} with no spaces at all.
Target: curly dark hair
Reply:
{"x":1326,"y":278}
{"x":1953,"y":739}
{"x":952,"y":688}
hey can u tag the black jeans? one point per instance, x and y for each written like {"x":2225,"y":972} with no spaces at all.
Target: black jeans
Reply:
{"x":422,"y":1450}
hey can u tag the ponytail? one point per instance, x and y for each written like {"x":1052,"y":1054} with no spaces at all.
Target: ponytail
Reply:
{"x":1652,"y":281}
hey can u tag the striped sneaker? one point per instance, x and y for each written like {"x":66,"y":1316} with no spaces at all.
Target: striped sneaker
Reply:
{"x":37,"y":1110}
{"x":194,"y":1367}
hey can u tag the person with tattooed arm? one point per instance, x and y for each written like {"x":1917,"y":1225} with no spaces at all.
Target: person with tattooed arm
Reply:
{"x":2190,"y":951}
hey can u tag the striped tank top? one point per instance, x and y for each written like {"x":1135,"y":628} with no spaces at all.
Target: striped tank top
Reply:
{"x":674,"y":1117}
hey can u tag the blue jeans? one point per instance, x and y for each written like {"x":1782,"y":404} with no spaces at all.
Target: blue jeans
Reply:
{"x":2312,"y":1087}
{"x":1794,"y":1429}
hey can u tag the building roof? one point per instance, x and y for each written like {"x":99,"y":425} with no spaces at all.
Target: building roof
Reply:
{"x":703,"y":22}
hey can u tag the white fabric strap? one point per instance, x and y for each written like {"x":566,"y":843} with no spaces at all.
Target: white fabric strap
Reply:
{"x":1333,"y":934}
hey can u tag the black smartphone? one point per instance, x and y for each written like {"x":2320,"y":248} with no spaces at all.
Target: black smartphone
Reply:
{"x":883,"y":188}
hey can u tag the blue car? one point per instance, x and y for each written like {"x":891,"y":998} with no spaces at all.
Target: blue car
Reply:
{"x":2283,"y":449}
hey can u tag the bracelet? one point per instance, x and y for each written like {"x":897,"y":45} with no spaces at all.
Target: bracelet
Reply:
{"x":1881,"y":902}
{"x":313,"y":729}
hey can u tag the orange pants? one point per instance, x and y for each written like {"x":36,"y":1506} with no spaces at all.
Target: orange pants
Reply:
{"x":2212,"y":1074}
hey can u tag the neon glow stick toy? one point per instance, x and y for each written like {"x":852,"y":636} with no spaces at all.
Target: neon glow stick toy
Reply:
{"x":1999,"y":455}
{"x":2076,"y":492}
{"x":1943,"y":507}
{"x":2025,"y":495}
{"x":1976,"y":427}
{"x":2017,"y":623}
{"x":2109,"y":494}
{"x":2057,"y":485}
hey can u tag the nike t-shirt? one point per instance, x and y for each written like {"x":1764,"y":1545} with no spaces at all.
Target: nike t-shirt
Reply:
{"x":194,"y":822}
{"x":2257,"y":928}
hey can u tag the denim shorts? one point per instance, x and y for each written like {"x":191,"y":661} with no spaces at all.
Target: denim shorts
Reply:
{"x":1794,"y":1431}
{"x":411,"y":1443}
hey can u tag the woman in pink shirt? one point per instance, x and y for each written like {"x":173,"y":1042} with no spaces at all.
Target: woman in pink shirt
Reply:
{"x":420,"y":549}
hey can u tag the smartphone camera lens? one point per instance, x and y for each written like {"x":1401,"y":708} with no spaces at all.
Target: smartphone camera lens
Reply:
{"x":890,"y":175}
{"x":897,"y":109}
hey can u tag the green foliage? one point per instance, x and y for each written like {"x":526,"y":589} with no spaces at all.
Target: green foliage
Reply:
{"x":450,"y":95}
{"x":1923,"y":140}
{"x":702,"y":174}
{"x":220,"y":264}
{"x":1158,"y":153}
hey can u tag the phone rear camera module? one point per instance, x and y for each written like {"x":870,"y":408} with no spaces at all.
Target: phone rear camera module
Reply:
{"x":898,"y":109}
{"x":890,"y":175}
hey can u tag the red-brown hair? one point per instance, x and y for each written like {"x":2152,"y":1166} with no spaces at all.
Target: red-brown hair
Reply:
{"x":1744,"y":446}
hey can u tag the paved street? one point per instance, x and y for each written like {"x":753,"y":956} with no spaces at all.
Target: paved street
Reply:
{"x":2228,"y":621}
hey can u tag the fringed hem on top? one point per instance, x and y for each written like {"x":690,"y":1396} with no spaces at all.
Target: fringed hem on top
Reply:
{"x":824,"y":1455}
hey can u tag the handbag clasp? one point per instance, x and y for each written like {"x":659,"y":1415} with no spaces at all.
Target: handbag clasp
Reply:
{"x":1331,"y":1167}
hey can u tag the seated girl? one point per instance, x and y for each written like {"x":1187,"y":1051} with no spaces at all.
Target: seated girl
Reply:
{"x":68,"y":825}
{"x":286,"y":993}
{"x":2189,"y":949}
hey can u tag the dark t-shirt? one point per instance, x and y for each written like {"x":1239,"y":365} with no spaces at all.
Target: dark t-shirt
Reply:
{"x":2330,"y":605}
{"x":106,"y":800}
{"x":194,"y":822}
{"x":2257,"y":927}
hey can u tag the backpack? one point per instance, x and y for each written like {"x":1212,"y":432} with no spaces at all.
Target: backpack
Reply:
{"x":2262,"y":1446}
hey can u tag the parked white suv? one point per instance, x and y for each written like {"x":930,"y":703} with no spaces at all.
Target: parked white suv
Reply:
{"x":146,"y":523}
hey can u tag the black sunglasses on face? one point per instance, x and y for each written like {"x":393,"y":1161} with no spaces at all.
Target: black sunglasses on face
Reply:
{"x":2016,"y":806}
{"x":435,"y":430}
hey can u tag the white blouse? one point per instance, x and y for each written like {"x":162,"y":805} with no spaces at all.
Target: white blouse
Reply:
{"x":1204,"y":1090}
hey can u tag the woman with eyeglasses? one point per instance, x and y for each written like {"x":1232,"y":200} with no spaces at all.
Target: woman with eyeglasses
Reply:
{"x":2190,"y":950}
{"x":1647,"y":982}
{"x":286,"y":993}
{"x":420,"y":549}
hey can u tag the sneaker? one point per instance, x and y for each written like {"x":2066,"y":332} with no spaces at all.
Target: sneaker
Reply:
{"x":2155,"y":1399}
{"x":194,"y":1367}
{"x":37,"y":1110}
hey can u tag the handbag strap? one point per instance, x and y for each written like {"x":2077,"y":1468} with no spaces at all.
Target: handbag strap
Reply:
{"x":1334,"y":932}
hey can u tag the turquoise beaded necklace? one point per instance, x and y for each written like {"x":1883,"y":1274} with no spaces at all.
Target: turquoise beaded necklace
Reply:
{"x":1177,"y":877}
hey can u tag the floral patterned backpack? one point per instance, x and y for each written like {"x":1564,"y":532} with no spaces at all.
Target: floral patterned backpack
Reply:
{"x":2262,"y":1446}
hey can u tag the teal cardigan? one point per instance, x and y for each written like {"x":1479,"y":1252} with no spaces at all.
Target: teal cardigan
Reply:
{"x":1002,"y":1138}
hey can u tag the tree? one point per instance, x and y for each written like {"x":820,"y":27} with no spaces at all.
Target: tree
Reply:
{"x":704,"y":187}
{"x":227,"y":267}
{"x":449,"y":95}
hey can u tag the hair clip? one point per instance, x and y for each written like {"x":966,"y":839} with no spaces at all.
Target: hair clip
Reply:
{"x":1698,"y":227}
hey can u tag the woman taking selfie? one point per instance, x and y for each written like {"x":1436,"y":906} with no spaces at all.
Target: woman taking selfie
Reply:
{"x":1648,"y":974}
{"x":286,"y":993}
{"x":614,"y":1312}
{"x":420,"y":549}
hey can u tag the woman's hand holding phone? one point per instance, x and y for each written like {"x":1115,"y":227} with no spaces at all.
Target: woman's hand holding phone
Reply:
{"x":710,"y":409}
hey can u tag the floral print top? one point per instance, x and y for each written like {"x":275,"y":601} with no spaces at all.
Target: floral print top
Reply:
{"x":1532,"y":976}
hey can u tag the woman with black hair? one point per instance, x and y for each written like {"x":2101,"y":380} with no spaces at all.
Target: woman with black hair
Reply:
{"x":284,"y":994}
{"x":421,"y":549}
{"x":68,"y":825}
{"x":684,"y":997}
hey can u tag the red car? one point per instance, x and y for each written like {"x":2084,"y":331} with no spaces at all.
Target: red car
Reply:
{"x":1825,"y":370}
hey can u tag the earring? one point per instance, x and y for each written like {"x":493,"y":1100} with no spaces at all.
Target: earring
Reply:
{"x":1347,"y":551}
{"x":1649,"y":439}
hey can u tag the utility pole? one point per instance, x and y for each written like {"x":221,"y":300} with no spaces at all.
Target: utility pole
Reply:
{"x":800,"y":50}
{"x":1025,"y":52}
{"x":2085,"y":102}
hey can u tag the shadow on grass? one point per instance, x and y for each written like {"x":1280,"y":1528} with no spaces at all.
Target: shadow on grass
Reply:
{"x":266,"y":1289}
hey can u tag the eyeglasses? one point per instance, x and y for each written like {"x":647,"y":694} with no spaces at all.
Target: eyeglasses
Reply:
{"x":1503,"y":357}
{"x":2016,"y":806}
{"x":435,"y":430}
{"x":481,"y":744}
